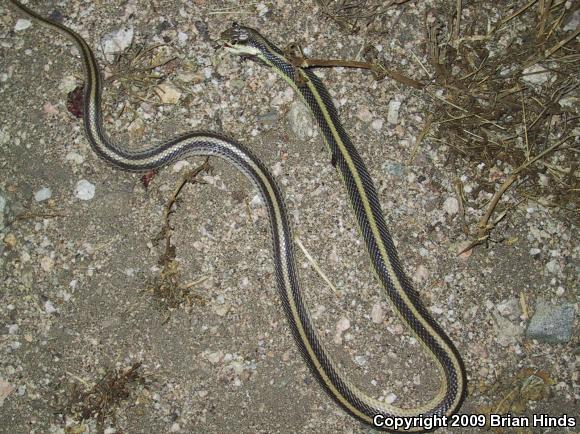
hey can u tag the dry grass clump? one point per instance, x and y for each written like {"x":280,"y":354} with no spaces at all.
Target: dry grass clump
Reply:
{"x":505,"y":99}
{"x":503,"y":91}
{"x":353,"y":15}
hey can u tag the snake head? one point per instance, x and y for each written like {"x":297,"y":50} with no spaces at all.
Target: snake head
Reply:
{"x":240,"y":40}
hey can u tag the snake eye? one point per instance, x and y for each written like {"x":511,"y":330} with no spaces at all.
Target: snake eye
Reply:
{"x":238,"y":33}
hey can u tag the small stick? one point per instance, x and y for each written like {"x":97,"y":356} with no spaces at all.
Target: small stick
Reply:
{"x":33,"y":215}
{"x":457,"y":23}
{"x":512,"y":16}
{"x":421,"y":137}
{"x":314,"y":264}
{"x":562,"y":43}
{"x":434,"y":95}
{"x":484,"y":226}
{"x":459,"y":192}
{"x":525,"y":125}
{"x":166,"y":229}
{"x":376,"y":68}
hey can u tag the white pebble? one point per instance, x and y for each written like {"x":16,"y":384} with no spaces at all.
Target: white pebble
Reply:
{"x":377,"y":314}
{"x":74,"y":157}
{"x":553,"y":266}
{"x":214,"y":357}
{"x":117,"y":41}
{"x":68,"y":83}
{"x":421,"y":274}
{"x":360,"y":360}
{"x":22,"y":24}
{"x":341,"y":326}
{"x":535,"y":74}
{"x":277,"y":169}
{"x":262,"y":9}
{"x":393,"y":114}
{"x":364,"y":114}
{"x":167,"y":93}
{"x":436,"y":310}
{"x":377,"y":124}
{"x":49,"y":307}
{"x":451,"y":206}
{"x":84,"y":190}
{"x":43,"y":194}
{"x":182,"y":38}
{"x":47,"y":263}
{"x":256,"y":201}
{"x":179,"y":165}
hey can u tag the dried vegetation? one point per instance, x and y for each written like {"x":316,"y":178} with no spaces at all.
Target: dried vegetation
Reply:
{"x":503,"y":86}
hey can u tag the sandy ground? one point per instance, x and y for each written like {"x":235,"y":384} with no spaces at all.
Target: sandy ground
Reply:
{"x":74,"y":274}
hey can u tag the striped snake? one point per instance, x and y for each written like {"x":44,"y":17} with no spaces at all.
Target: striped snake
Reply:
{"x":363,"y":199}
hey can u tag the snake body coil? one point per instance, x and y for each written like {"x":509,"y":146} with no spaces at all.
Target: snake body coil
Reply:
{"x":363,"y":198}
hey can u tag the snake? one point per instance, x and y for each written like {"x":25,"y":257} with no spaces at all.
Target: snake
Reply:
{"x":364,"y":200}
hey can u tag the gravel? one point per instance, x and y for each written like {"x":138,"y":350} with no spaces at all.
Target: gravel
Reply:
{"x":77,"y":268}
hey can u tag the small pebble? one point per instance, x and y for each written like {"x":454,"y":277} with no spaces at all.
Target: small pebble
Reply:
{"x":74,"y":157}
{"x":554,"y":266}
{"x":43,"y":194}
{"x":436,"y":310}
{"x":182,"y":38}
{"x":277,"y":169}
{"x":179,"y":165}
{"x":341,"y":326}
{"x":47,"y":263}
{"x":10,"y":240}
{"x":377,"y":314}
{"x":507,"y":332}
{"x":552,"y":323}
{"x":421,"y":274}
{"x":393,"y":113}
{"x":360,"y":360}
{"x":214,"y":357}
{"x":394,"y":169}
{"x":300,"y":120}
{"x":84,"y":190}
{"x":22,"y":24}
{"x":49,"y":307}
{"x":364,"y":114}
{"x":116,"y":41}
{"x":377,"y":124}
{"x":167,"y":93}
{"x":222,"y":310}
{"x":535,"y":74}
{"x":3,"y":210}
{"x":451,"y":206}
{"x":5,"y":390}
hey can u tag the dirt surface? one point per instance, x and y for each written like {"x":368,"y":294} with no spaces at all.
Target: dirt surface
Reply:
{"x":77,"y":308}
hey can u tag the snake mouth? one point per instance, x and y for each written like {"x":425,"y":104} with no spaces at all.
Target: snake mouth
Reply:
{"x":238,"y":40}
{"x":240,"y":49}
